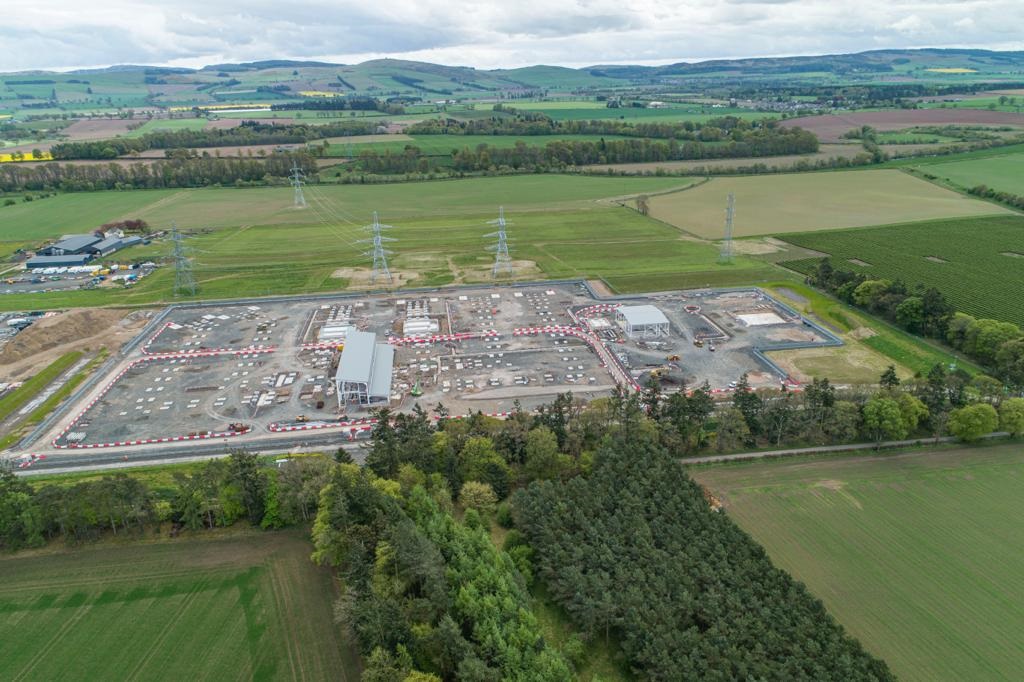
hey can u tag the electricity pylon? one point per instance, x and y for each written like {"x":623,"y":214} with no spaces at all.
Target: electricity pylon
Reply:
{"x":379,"y":253}
{"x":502,"y":259}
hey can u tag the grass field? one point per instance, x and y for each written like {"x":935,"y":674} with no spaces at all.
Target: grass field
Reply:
{"x":246,"y":606}
{"x":1004,"y":173}
{"x":214,"y":207}
{"x":166,"y":125}
{"x":916,"y":554}
{"x":965,"y":259}
{"x":770,"y":204}
{"x":259,"y":245}
{"x":274,"y":259}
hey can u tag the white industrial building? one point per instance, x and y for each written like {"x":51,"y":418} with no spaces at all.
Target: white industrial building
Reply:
{"x":364,"y":371}
{"x":642,"y":321}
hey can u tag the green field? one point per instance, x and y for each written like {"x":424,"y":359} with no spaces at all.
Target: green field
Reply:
{"x":166,"y":125}
{"x":246,"y":606}
{"x":1004,"y":173}
{"x":590,"y":110}
{"x":213,"y":207}
{"x":968,"y":259}
{"x":768,"y":204}
{"x":252,"y":242}
{"x":916,"y":554}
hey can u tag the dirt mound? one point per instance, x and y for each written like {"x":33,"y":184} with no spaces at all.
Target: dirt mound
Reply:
{"x":81,"y":329}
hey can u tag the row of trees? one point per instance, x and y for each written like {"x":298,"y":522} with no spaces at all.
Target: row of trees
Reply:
{"x":212,"y":495}
{"x":246,"y":133}
{"x":180,"y":171}
{"x":530,"y":123}
{"x":567,"y":153}
{"x":633,"y":551}
{"x":1007,"y":198}
{"x":429,"y":598}
{"x":995,"y":344}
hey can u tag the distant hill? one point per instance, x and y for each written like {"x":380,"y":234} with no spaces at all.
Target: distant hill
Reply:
{"x":276,"y":80}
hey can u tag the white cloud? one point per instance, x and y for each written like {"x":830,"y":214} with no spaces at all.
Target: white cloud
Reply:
{"x":489,"y":33}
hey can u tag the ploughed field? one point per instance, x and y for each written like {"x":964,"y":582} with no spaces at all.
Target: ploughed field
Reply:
{"x":250,"y":606}
{"x":976,"y":262}
{"x":916,"y":554}
{"x":832,"y":127}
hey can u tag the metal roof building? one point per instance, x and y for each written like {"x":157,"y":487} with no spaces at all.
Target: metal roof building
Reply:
{"x":364,"y":371}
{"x":106,"y":247}
{"x":71,"y":244}
{"x":70,"y":260}
{"x":643,"y":321}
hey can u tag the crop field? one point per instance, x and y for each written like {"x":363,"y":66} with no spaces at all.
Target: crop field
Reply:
{"x":1004,"y":173}
{"x":976,"y":263}
{"x":165,"y":125}
{"x":831,"y":127}
{"x":917,"y":554}
{"x":243,"y":607}
{"x":769,"y":204}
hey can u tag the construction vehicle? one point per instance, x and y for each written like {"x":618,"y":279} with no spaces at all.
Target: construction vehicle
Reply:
{"x":237,"y":427}
{"x":659,"y":372}
{"x":416,"y":390}
{"x":302,"y":419}
{"x":672,"y":358}
{"x":698,"y":343}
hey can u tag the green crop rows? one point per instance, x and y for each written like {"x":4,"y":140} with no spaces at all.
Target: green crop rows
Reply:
{"x":976,"y":262}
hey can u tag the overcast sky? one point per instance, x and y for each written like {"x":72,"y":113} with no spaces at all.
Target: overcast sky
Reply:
{"x":488,"y":33}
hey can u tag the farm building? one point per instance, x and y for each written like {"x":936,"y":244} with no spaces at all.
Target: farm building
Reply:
{"x":71,"y":260}
{"x":71,"y":244}
{"x":364,"y":371}
{"x":642,"y":321}
{"x":106,"y":247}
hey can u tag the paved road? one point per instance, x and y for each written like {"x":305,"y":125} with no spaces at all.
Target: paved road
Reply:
{"x":852,"y":447}
{"x":121,"y":458}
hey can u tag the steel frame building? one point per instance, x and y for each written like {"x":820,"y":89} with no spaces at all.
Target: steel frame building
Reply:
{"x":643,"y":321}
{"x":364,"y":371}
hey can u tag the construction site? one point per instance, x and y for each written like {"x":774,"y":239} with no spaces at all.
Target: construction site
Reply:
{"x":254,"y":370}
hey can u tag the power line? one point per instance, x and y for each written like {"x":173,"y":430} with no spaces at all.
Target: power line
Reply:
{"x":184,"y":278}
{"x":297,"y":178}
{"x":379,"y":253}
{"x":502,"y":259}
{"x":725,"y":255}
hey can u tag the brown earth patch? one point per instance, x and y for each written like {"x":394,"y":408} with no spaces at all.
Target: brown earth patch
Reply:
{"x":359,"y":278}
{"x":754,"y":247}
{"x":861,"y":333}
{"x":79,"y":329}
{"x":831,"y":127}
{"x":100,"y":128}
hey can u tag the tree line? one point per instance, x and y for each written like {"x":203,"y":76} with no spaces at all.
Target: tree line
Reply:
{"x":568,"y":153}
{"x":182,"y":170}
{"x":531,"y":123}
{"x":246,"y":133}
{"x":994,"y":344}
{"x":633,"y":551}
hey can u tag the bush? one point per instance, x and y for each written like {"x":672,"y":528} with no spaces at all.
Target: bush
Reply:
{"x":504,"y":515}
{"x":479,"y":496}
{"x":972,"y":422}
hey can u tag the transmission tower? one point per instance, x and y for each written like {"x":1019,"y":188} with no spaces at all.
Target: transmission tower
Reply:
{"x":298,"y":178}
{"x":184,"y":279}
{"x":502,"y":261}
{"x":725,"y":256}
{"x":379,"y":253}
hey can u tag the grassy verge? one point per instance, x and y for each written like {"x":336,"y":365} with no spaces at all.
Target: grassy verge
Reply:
{"x":28,"y":390}
{"x":912,"y":352}
{"x":50,"y":404}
